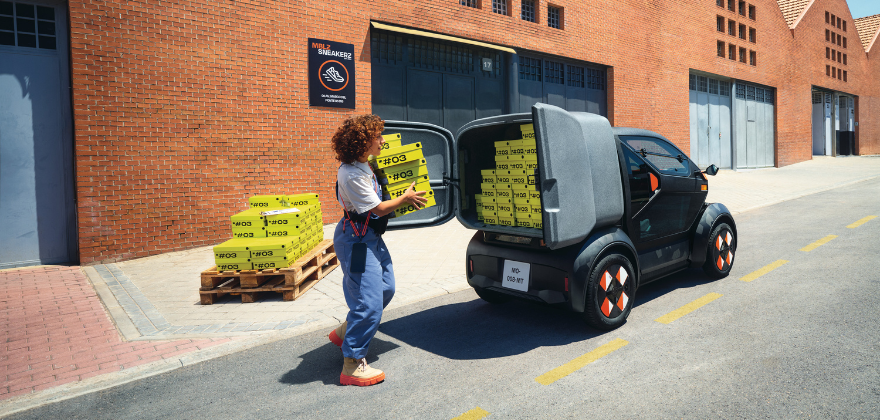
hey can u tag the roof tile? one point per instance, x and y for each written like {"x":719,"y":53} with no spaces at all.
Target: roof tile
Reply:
{"x":867,"y":28}
{"x":792,"y":9}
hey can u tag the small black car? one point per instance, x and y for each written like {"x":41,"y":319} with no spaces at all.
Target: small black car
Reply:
{"x":620,"y":207}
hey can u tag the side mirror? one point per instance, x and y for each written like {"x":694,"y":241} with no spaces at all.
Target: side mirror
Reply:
{"x":711,"y":170}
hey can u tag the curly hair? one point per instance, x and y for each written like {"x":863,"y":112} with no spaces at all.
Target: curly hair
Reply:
{"x":352,"y":138}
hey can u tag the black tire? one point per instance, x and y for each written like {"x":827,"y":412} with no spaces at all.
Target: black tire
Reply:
{"x":611,"y":291}
{"x":720,"y":252}
{"x":492,"y":297}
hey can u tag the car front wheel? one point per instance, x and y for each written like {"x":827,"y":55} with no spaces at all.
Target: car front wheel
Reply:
{"x":610,"y":292}
{"x":719,"y":255}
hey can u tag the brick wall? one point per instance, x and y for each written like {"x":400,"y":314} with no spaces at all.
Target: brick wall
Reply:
{"x":184,"y":109}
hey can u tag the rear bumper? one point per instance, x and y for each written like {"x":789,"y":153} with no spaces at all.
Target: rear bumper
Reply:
{"x":550,"y":276}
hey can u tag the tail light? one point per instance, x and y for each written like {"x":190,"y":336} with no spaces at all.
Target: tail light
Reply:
{"x":566,"y":283}
{"x":471,"y":265}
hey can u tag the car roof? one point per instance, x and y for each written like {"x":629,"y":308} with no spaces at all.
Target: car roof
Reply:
{"x":629,"y":131}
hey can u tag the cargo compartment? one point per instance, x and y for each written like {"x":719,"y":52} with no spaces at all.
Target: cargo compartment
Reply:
{"x":497,"y":162}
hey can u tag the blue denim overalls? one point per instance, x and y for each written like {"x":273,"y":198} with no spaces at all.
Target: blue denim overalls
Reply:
{"x":367,"y":293}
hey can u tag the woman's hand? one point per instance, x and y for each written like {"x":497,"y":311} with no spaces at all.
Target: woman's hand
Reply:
{"x":414,"y":197}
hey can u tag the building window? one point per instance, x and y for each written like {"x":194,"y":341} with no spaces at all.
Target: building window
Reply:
{"x":742,"y":8}
{"x":753,"y":35}
{"x":596,"y":79}
{"x":844,"y":26}
{"x":839,"y":38}
{"x":731,"y":5}
{"x":753,"y":58}
{"x":530,"y":69}
{"x":499,"y":6}
{"x":742,"y":54}
{"x":751,"y":12}
{"x":750,"y":93}
{"x":576,"y":76}
{"x":731,"y":28}
{"x":719,"y":20}
{"x":742,"y":31}
{"x":844,"y":59}
{"x":554,"y":72}
{"x":844,"y":75}
{"x":527,"y":10}
{"x":844,"y":42}
{"x":386,"y":48}
{"x":827,"y":18}
{"x":828,"y":70}
{"x":713,"y":86}
{"x":833,"y":19}
{"x":827,"y":53}
{"x":720,"y":3}
{"x":468,"y":3}
{"x":838,"y":22}
{"x":827,"y":35}
{"x":27,"y":25}
{"x":721,"y":49}
{"x":731,"y":52}
{"x":554,"y":17}
{"x":839,"y":74}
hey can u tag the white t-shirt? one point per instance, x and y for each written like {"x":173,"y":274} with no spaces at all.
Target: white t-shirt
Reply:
{"x":358,"y":187}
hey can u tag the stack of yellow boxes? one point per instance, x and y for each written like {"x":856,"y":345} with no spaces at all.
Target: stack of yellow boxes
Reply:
{"x":397,"y":167}
{"x":508,"y":196}
{"x":276,"y":231}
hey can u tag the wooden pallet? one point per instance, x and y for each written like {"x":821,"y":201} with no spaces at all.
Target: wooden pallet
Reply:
{"x":292,"y":282}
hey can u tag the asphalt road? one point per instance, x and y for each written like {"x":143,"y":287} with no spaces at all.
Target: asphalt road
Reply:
{"x":802,"y":340}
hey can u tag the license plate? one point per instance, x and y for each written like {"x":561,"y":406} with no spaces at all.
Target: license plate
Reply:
{"x":516,"y":275}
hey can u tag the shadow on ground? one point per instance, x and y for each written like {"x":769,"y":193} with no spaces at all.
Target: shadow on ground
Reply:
{"x":682,"y":280}
{"x":479,"y":330}
{"x":325,"y":363}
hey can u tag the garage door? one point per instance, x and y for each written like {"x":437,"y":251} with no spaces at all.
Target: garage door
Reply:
{"x":710,"y":121}
{"x":571,"y":85}
{"x":36,"y":188}
{"x":442,"y":83}
{"x":754,"y":130}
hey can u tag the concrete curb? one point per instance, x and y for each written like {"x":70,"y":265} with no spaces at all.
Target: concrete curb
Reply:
{"x":835,"y":186}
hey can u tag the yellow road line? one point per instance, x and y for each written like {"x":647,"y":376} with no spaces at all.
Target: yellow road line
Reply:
{"x":860,"y":222}
{"x":686,"y":309}
{"x":475,"y":414}
{"x":766,"y":269}
{"x":818,"y":243}
{"x":579,"y":362}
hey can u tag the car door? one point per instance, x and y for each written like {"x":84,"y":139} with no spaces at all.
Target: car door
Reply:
{"x":664,"y":199}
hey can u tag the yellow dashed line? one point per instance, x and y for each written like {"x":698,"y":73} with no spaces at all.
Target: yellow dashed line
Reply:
{"x":579,"y":362}
{"x":818,"y":243}
{"x":686,"y":309}
{"x":860,"y":222}
{"x":474,"y":414}
{"x":766,"y":269}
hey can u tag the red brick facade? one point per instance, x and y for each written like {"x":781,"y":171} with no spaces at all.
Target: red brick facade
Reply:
{"x":184,"y":109}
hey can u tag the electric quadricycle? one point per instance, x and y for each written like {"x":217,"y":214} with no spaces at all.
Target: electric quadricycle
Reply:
{"x":603,"y":210}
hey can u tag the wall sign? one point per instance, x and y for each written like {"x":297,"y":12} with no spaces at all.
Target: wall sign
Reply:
{"x":331,"y":74}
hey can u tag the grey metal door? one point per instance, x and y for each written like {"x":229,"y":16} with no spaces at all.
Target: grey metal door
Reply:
{"x":819,"y":116}
{"x":36,"y":188}
{"x":754,"y":126}
{"x":570,"y":85}
{"x":710,"y":121}
{"x":442,"y":83}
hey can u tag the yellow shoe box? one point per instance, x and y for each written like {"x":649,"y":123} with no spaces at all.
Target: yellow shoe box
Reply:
{"x":529,"y":221}
{"x":521,"y":193}
{"x":402,"y":172}
{"x":307,"y":199}
{"x":398,"y":155}
{"x":490,"y":217}
{"x":398,"y":189}
{"x":233,"y":250}
{"x":408,"y":208}
{"x":235,"y":266}
{"x":249,"y":233}
{"x":514,"y":176}
{"x":534,"y":195}
{"x":269,"y":264}
{"x":502,"y":151}
{"x":391,"y":141}
{"x":267,"y":201}
{"x":531,"y":163}
{"x":503,"y":205}
{"x":504,"y":191}
{"x":506,"y":221}
{"x":282,"y":231}
{"x":250,"y":218}
{"x":522,"y":208}
{"x":487,"y":176}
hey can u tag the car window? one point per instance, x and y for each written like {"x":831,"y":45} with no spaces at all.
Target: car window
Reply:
{"x":639,"y":182}
{"x":661,"y":154}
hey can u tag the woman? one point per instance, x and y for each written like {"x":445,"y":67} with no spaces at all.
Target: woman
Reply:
{"x":368,"y":277}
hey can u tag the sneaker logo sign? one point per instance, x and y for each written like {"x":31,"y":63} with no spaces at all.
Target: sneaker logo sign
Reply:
{"x":331,"y":74}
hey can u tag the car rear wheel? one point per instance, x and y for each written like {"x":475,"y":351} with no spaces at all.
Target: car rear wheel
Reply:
{"x":492,"y":297}
{"x":719,"y":255}
{"x":610,"y":292}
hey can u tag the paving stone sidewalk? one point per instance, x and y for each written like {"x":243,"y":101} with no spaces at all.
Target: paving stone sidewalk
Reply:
{"x":57,"y":331}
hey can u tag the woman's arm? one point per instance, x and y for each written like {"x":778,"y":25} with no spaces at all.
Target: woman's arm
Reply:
{"x":411,"y":196}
